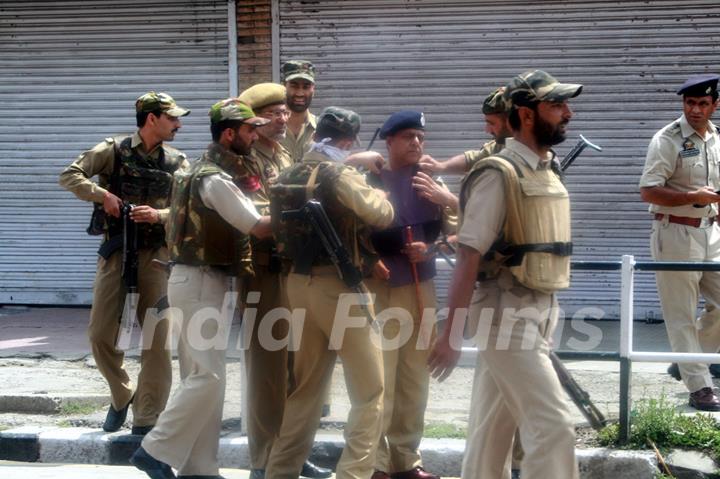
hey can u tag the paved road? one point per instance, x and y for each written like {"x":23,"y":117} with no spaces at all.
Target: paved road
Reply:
{"x":23,"y":470}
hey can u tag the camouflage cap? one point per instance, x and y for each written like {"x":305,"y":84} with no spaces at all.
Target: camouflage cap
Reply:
{"x":234,"y":109}
{"x":495,"y":102}
{"x":537,"y":85}
{"x":163,"y":102}
{"x":345,"y":122}
{"x":293,"y":69}
{"x":263,"y":94}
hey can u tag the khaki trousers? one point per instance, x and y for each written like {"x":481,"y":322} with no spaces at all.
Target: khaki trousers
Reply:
{"x":515,"y":387}
{"x":407,"y":379}
{"x":155,"y":378}
{"x":318,"y":295}
{"x":187,"y":433}
{"x":267,"y":369}
{"x":679,"y":293}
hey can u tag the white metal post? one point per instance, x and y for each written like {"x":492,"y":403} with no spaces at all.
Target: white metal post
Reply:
{"x":232,"y":49}
{"x":626,"y":305}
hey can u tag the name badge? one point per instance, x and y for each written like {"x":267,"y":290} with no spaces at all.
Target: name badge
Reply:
{"x":689,"y":149}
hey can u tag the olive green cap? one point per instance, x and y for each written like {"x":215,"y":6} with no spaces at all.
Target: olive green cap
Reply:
{"x":263,"y":94}
{"x":345,"y":122}
{"x":234,"y":109}
{"x":163,"y":102}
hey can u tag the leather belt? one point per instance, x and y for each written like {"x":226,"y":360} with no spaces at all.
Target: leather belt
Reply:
{"x":684,"y":220}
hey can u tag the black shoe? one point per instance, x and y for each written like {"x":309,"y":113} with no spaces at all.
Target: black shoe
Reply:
{"x":115,"y":419}
{"x":257,"y":473}
{"x":141,"y":430}
{"x":715,"y":370}
{"x":674,"y":371}
{"x":149,"y":465}
{"x":312,"y":471}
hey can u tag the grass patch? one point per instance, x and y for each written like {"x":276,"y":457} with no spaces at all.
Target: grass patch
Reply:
{"x":441,"y":430}
{"x":658,"y":421}
{"x":77,"y":408}
{"x":64,"y":423}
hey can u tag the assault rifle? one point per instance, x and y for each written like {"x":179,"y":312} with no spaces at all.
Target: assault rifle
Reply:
{"x":575,"y":152}
{"x":129,"y":277}
{"x":578,"y":395}
{"x":314,"y":213}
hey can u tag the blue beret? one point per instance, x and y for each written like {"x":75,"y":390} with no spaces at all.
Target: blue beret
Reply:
{"x":402,"y":120}
{"x":700,"y":85}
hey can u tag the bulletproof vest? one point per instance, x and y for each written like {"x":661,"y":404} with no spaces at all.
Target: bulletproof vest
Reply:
{"x":314,"y":178}
{"x":143,"y":181}
{"x":198,"y":235}
{"x":535,"y":240}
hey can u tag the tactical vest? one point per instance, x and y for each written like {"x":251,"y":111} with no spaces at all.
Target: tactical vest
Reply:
{"x":315,"y":178}
{"x":535,"y":241}
{"x":198,"y":235}
{"x":142,"y":181}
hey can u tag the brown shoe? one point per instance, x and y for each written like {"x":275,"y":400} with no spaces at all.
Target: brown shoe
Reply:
{"x":705,"y":400}
{"x":380,"y":475}
{"x":416,"y":473}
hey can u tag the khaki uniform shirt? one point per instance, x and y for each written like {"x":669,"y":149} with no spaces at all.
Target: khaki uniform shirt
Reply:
{"x":679,"y":158}
{"x":484,"y":211}
{"x":266,"y":163}
{"x":298,"y":145}
{"x":100,"y":161}
{"x":490,"y":148}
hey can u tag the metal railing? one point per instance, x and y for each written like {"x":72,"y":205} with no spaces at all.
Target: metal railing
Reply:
{"x":626,"y":355}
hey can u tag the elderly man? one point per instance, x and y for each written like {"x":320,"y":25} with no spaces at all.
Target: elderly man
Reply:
{"x":515,"y":385}
{"x":135,"y":169}
{"x":680,"y":181}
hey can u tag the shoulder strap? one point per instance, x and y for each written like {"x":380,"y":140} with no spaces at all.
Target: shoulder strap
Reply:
{"x":310,"y":185}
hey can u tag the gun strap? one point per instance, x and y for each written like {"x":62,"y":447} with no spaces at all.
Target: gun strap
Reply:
{"x":310,"y":185}
{"x":515,"y":253}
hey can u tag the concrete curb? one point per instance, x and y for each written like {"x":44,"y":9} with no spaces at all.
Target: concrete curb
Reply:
{"x":442,"y":456}
{"x":50,"y":403}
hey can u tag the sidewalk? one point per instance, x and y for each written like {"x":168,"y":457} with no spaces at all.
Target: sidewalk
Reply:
{"x":50,"y":390}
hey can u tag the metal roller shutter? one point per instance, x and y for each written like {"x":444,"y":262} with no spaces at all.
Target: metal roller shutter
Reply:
{"x":444,"y":56}
{"x":69,"y":74}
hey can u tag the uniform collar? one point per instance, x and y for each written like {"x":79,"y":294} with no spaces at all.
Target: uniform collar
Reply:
{"x":531,"y":158}
{"x":263,"y":150}
{"x":311,"y":120}
{"x":137,"y":141}
{"x":687,"y":131}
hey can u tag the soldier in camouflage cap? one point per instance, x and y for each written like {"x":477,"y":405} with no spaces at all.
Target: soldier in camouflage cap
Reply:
{"x":211,"y":219}
{"x":515,"y":198}
{"x":298,"y":76}
{"x":136,"y":169}
{"x":495,"y":108}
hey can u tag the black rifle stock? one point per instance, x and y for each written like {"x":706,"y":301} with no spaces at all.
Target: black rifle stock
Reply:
{"x":313,"y":212}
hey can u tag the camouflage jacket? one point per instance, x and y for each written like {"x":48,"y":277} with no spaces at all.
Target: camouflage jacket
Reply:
{"x":198,"y":235}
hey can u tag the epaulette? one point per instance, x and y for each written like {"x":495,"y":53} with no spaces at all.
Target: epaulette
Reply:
{"x":109,"y":140}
